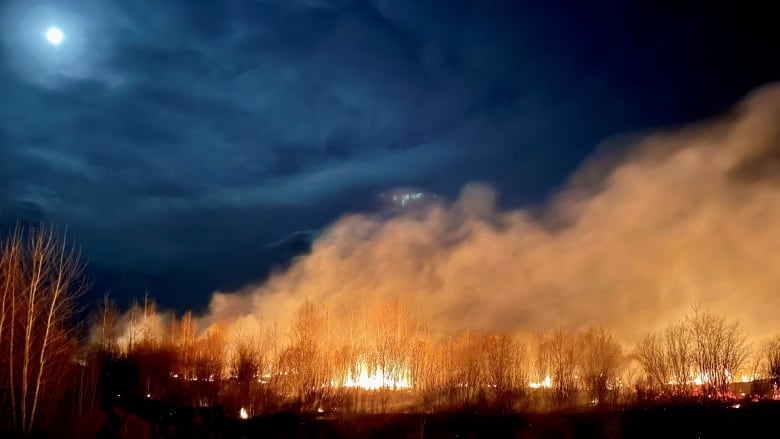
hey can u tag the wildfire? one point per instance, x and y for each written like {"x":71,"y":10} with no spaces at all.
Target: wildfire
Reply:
{"x":546,"y":383}
{"x":702,"y":378}
{"x":243,"y":413}
{"x":377,"y":379}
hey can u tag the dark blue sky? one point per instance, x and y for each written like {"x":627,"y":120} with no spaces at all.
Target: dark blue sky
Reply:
{"x":180,"y":141}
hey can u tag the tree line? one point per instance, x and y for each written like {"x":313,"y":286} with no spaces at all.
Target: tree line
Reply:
{"x":380,"y":358}
{"x":376,"y":358}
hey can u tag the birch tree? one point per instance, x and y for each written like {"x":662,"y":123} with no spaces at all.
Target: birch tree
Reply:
{"x":41,"y":275}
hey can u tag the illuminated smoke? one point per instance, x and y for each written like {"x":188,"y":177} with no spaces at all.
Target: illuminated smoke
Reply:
{"x":690,"y":215}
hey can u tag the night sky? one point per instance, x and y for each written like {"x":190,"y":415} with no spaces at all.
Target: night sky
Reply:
{"x":189,"y":147}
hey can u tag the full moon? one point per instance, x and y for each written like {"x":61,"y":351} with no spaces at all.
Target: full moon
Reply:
{"x":54,"y":35}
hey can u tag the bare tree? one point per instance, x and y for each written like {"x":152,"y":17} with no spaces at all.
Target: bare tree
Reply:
{"x":428,"y":372}
{"x":679,"y":351}
{"x":302,"y":359}
{"x":12,"y":272}
{"x":390,"y":348}
{"x":244,"y":369}
{"x":106,"y":325}
{"x":667,"y":359}
{"x":651,"y":355}
{"x":600,"y":359}
{"x":41,"y":277}
{"x":559,"y":353}
{"x":468,"y":378}
{"x":209,"y":363}
{"x":150,"y":326}
{"x":133,"y":331}
{"x":503,"y":357}
{"x":771,"y":354}
{"x":184,"y":344}
{"x":720,"y":350}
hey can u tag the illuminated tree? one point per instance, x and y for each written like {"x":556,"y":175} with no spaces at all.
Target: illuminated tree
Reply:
{"x":391,"y":342}
{"x":504,"y":368}
{"x":40,"y":277}
{"x":427,"y":370}
{"x":720,"y":350}
{"x":679,"y":354}
{"x":651,"y":355}
{"x":600,"y":359}
{"x":209,"y":364}
{"x":668,"y":359}
{"x":249,"y":364}
{"x":468,"y":378}
{"x":771,"y":354}
{"x":558,"y":353}
{"x":106,"y":326}
{"x":149,"y":327}
{"x":302,"y":359}
{"x":184,"y":345}
{"x":134,"y":332}
{"x":12,"y":271}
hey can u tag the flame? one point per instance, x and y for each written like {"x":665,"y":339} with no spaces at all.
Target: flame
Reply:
{"x":243,"y":413}
{"x":377,"y":379}
{"x":702,"y":378}
{"x":545,"y":383}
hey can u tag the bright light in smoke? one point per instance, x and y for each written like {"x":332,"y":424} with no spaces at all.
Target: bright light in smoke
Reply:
{"x":546,"y":383}
{"x":375,"y":380}
{"x":243,"y":413}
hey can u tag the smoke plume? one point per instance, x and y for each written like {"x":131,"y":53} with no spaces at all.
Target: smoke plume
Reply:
{"x":686,"y":216}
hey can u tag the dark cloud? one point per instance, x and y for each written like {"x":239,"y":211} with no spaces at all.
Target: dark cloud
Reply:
{"x":176,"y":139}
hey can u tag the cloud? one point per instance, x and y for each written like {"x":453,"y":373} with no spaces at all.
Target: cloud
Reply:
{"x":198,"y":113}
{"x":671,"y":223}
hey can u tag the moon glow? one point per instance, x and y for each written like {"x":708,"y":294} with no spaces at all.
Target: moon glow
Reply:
{"x":55,"y":36}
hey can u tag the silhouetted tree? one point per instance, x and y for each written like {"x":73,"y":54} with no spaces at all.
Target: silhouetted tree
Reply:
{"x":720,"y":350}
{"x":651,"y":355}
{"x":504,"y":367}
{"x":771,"y":354}
{"x":559,"y":354}
{"x":600,"y":358}
{"x":667,"y":359}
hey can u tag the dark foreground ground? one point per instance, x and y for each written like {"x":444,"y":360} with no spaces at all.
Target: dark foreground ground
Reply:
{"x":685,"y":421}
{"x":690,"y":420}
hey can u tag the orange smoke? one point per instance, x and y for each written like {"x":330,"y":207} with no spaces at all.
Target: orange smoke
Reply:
{"x":689,"y":215}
